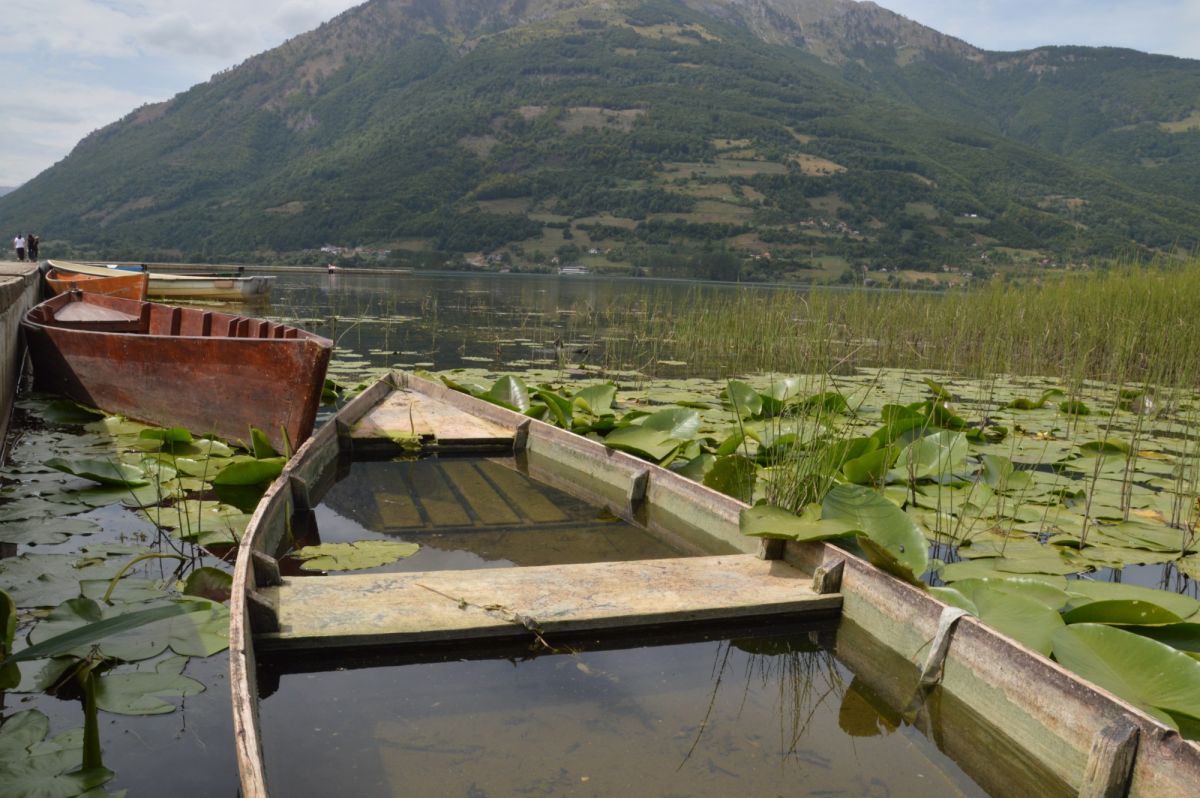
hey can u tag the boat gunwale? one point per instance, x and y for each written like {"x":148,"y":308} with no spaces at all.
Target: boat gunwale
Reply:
{"x":1075,"y":712}
{"x":302,"y":335}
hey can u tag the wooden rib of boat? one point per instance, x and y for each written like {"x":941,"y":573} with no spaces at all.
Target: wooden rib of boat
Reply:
{"x":185,"y":286}
{"x":1060,"y":725}
{"x":127,"y":285}
{"x":210,"y":372}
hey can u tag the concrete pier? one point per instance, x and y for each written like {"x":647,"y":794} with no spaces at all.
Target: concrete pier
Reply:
{"x":18,"y":293}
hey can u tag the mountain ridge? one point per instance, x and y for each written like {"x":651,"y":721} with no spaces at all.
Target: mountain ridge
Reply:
{"x":543,"y":129}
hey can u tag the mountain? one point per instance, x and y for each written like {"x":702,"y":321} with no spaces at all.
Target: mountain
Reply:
{"x":775,"y":138}
{"x":5,"y":189}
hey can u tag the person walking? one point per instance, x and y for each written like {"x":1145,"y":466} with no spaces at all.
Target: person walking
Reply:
{"x":19,"y":246}
{"x":31,"y":247}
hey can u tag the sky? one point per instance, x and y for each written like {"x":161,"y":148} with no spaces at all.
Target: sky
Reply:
{"x":68,"y":67}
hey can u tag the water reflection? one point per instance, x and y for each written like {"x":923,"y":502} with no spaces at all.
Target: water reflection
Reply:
{"x":753,"y":715}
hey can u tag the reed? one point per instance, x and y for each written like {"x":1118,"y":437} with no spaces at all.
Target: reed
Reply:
{"x":1129,"y":324}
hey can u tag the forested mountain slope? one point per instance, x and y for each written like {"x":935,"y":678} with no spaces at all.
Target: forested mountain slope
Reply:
{"x":654,"y":133}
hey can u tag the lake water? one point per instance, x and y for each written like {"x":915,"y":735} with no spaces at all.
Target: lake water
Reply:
{"x":752,"y":712}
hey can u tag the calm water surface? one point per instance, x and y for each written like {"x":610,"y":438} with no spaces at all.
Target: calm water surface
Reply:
{"x":716,"y":713}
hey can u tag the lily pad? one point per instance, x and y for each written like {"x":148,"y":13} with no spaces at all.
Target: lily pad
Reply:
{"x":1154,"y":677}
{"x":52,"y":773}
{"x":250,"y":471}
{"x":354,"y":556}
{"x":106,"y":472}
{"x":769,"y":521}
{"x":893,"y":541}
{"x":140,"y":691}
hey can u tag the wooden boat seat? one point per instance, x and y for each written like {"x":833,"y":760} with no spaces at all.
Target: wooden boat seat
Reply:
{"x":84,"y":315}
{"x":443,"y":606}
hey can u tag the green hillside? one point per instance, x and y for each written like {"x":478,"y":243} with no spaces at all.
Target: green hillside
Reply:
{"x":771,"y":139}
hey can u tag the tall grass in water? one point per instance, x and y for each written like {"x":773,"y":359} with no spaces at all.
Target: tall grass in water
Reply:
{"x":1127,"y":325}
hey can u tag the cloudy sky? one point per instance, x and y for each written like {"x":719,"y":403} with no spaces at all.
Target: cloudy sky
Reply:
{"x":72,"y":66}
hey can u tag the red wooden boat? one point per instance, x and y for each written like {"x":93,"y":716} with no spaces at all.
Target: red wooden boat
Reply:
{"x":127,"y":285}
{"x":207,"y":371}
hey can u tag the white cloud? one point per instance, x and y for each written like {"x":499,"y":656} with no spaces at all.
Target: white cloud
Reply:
{"x":72,"y":66}
{"x":1156,"y":26}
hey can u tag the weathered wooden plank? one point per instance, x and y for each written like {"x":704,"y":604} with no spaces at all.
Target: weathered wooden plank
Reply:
{"x":1110,"y":763}
{"x":452,"y":605}
{"x":522,"y":493}
{"x":488,"y":505}
{"x":405,"y":414}
{"x":442,"y":506}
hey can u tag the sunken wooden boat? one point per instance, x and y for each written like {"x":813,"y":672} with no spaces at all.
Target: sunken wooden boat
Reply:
{"x":210,"y":372}
{"x":126,"y":285}
{"x":1086,"y":739}
{"x":253,"y":288}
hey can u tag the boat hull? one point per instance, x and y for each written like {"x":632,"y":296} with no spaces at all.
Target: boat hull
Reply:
{"x":130,"y":285}
{"x":210,"y":372}
{"x":186,"y":286}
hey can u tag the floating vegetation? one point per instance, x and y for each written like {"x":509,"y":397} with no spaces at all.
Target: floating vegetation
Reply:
{"x":108,"y":623}
{"x":992,"y":501}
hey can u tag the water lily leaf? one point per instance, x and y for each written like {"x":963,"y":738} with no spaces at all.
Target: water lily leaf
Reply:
{"x":1074,"y":408}
{"x":52,"y":772}
{"x":651,"y":444}
{"x":680,"y":422}
{"x":733,"y":475}
{"x":170,"y":435}
{"x":561,"y":408}
{"x":1121,"y":612}
{"x":769,"y":521}
{"x":509,"y":392}
{"x":1050,"y":596}
{"x":250,"y":471}
{"x":1184,"y":637}
{"x":115,"y":425}
{"x":939,"y":390}
{"x":1146,"y":673}
{"x":1085,"y":591}
{"x":745,"y":401}
{"x":1020,"y":617}
{"x":696,"y":468}
{"x":210,"y":583}
{"x":353,"y":556}
{"x":1105,"y":448}
{"x":64,"y":411}
{"x":596,"y":399}
{"x":10,"y":675}
{"x":46,"y":531}
{"x":894,"y":541}
{"x":201,"y":632}
{"x":210,"y":447}
{"x":106,"y":472}
{"x":934,"y":456}
{"x":951,"y":596}
{"x":141,"y":692}
{"x":261,"y":444}
{"x":871,"y":468}
{"x":74,"y":626}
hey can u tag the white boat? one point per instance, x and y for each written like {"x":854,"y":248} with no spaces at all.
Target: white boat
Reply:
{"x":184,"y":286}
